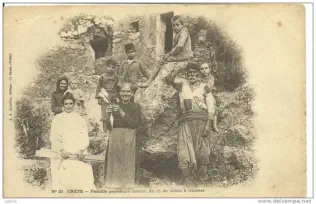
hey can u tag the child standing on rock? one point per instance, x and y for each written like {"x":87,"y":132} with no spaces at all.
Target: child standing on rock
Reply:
{"x":133,"y":69}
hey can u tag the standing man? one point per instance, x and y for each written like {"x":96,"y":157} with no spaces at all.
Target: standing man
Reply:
{"x":193,"y":143}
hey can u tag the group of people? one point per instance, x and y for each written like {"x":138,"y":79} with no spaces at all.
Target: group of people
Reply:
{"x":121,"y":117}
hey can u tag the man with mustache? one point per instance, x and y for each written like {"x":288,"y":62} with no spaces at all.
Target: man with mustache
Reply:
{"x":193,"y":146}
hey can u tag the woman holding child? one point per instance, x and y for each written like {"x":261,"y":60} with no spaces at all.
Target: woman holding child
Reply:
{"x":122,"y":147}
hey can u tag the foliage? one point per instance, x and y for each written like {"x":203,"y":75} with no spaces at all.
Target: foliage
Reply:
{"x":232,"y":157}
{"x":195,"y":25}
{"x":218,"y":50}
{"x":36,"y":176}
{"x":31,"y":125}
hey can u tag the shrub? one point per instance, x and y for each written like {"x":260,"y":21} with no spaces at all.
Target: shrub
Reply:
{"x":31,"y":125}
{"x":219,"y":51}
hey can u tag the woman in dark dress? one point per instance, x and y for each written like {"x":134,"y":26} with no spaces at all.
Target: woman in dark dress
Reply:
{"x":61,"y":88}
{"x":123,"y":145}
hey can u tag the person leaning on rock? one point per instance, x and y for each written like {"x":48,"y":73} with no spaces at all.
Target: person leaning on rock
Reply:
{"x":193,"y":146}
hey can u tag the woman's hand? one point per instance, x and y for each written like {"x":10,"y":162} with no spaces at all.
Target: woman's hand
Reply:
{"x":64,"y":154}
{"x":109,"y":109}
{"x":116,"y":108}
{"x":80,"y":155}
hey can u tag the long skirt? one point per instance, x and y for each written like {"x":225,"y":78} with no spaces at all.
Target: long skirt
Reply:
{"x":193,"y":148}
{"x":71,"y":174}
{"x":121,"y":158}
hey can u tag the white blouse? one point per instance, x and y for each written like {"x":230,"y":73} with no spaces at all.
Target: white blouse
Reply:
{"x":69,"y":131}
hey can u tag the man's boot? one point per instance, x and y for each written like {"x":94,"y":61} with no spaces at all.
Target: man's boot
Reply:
{"x":187,"y":177}
{"x":202,"y":172}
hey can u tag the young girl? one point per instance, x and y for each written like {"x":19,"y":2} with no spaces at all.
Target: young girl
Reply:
{"x":79,"y":97}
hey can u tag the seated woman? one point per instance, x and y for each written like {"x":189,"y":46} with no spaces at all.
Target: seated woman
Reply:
{"x":61,"y":88}
{"x":122,"y":150}
{"x":69,"y":136}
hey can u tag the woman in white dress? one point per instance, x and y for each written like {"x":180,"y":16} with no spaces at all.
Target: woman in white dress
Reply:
{"x":69,"y":136}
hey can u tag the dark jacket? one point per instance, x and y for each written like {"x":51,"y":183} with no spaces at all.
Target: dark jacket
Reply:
{"x":132,"y":118}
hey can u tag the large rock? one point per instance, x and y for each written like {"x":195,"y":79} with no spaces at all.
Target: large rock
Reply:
{"x":242,"y":132}
{"x":238,"y":158}
{"x":156,"y":98}
{"x":159,"y":153}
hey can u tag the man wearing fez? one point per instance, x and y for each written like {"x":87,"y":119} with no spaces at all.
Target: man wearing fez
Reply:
{"x":133,"y":69}
{"x":193,"y":146}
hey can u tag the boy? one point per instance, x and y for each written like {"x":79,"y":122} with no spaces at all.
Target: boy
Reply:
{"x":108,"y":81}
{"x":181,"y":50}
{"x":206,"y":75}
{"x":133,"y":70}
{"x":208,"y":79}
{"x":78,"y":95}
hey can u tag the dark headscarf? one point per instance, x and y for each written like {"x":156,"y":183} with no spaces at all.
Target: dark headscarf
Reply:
{"x":58,"y":84}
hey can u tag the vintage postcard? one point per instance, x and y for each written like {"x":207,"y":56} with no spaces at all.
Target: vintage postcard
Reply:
{"x":148,"y":100}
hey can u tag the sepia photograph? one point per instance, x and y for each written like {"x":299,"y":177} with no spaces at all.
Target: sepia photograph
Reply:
{"x":168,"y":100}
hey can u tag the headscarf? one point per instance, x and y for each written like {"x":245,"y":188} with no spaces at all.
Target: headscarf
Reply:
{"x":58,"y":84}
